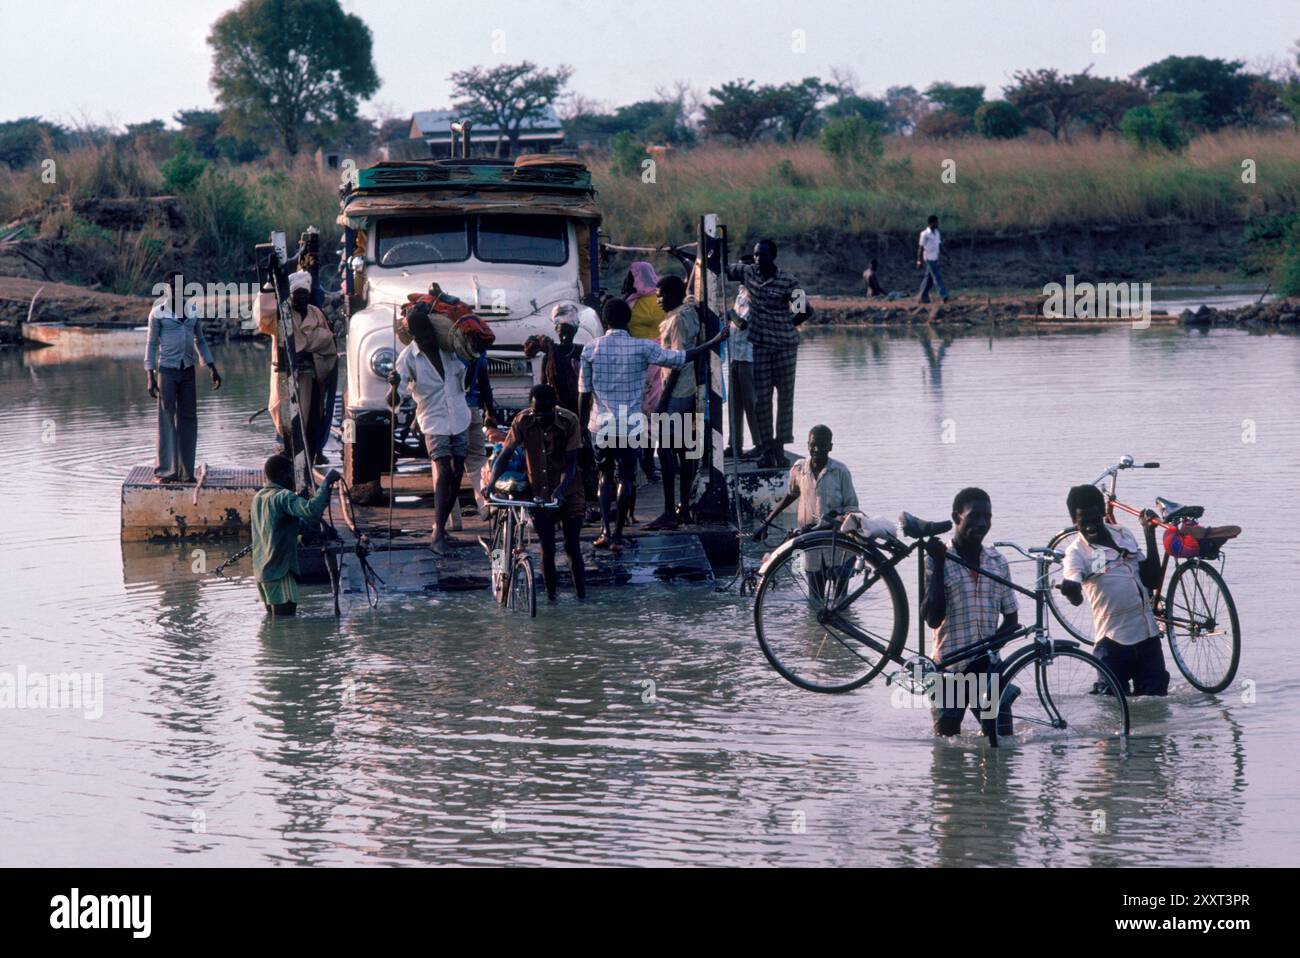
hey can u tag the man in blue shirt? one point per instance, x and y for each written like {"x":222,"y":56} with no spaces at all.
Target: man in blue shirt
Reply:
{"x":169,"y":358}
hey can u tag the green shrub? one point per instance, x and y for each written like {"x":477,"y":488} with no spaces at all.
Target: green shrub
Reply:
{"x":1152,"y":127}
{"x":853,"y":143}
{"x":626,"y":155}
{"x":183,"y":170}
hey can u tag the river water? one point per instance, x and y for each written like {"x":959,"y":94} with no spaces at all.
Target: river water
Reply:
{"x":646,"y":727}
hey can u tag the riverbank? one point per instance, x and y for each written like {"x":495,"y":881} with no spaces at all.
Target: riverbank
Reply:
{"x":1003,"y":310}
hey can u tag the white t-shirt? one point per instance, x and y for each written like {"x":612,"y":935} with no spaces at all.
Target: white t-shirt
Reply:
{"x":1121,"y":604}
{"x":930,"y":241}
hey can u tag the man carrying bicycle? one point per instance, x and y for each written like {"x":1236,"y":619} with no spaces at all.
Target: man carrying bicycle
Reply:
{"x":963,"y":607}
{"x":1106,"y":564}
{"x":551,"y":438}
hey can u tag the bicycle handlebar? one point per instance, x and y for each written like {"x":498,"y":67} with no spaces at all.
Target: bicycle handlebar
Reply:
{"x":1033,"y":552}
{"x":1125,"y":462}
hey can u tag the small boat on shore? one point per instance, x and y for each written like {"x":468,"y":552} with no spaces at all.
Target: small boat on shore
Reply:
{"x":76,"y":341}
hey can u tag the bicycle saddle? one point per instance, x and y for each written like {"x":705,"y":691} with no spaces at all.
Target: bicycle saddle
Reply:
{"x":1172,"y":511}
{"x":915,"y":528}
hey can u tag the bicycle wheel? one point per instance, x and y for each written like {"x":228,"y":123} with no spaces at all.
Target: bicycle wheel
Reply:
{"x":807,"y":638}
{"x":1075,"y":619}
{"x":1201,"y":626}
{"x":521,"y":596}
{"x":1064,"y":694}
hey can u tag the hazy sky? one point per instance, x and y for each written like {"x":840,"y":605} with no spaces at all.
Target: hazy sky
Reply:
{"x":126,"y":61}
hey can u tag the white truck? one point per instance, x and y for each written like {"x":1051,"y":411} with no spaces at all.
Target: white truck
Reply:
{"x":511,"y":239}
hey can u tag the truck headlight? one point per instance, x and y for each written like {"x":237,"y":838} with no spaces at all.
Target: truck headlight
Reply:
{"x":381,"y":362}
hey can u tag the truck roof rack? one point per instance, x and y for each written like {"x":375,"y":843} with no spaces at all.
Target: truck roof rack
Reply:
{"x":536,"y":172}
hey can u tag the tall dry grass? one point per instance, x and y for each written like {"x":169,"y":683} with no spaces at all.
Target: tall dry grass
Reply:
{"x":791,"y":191}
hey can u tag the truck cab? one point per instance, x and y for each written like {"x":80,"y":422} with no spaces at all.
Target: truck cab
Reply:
{"x":511,"y":239}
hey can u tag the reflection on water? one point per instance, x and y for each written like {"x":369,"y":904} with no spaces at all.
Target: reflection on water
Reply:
{"x":645,"y":727}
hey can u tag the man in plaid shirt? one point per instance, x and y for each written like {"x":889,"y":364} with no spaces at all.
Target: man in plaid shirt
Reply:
{"x":963,"y":607}
{"x":611,"y":386}
{"x":777,"y":306}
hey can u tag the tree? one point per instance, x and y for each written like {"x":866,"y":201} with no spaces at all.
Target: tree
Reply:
{"x":200,"y":128}
{"x":742,"y":111}
{"x":29,"y":138}
{"x":1224,"y":88}
{"x":1048,"y":99}
{"x":959,"y":103}
{"x":796,"y":105}
{"x":999,"y":120}
{"x":508,"y":96}
{"x":904,"y":107}
{"x":1105,"y":101}
{"x":291,"y":65}
{"x":869,"y":108}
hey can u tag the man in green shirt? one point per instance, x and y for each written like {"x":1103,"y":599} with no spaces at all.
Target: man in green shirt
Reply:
{"x":278,"y":516}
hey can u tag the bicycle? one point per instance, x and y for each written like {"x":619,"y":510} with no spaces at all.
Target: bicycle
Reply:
{"x":831,"y":612}
{"x":513,"y":583}
{"x":1196,"y":611}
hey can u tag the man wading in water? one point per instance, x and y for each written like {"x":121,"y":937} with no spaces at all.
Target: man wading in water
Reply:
{"x":552,"y":441}
{"x":963,"y":607}
{"x":278,"y":516}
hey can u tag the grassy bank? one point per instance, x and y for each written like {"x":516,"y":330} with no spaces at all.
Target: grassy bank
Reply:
{"x":108,"y":220}
{"x":790,"y":192}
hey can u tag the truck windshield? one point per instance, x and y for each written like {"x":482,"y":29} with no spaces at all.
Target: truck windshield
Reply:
{"x":519,"y":238}
{"x":409,"y":240}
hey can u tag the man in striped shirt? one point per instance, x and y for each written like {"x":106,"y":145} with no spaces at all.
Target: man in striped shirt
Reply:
{"x":963,"y":608}
{"x":777,"y":306}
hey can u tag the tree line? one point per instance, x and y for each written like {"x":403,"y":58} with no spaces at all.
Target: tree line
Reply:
{"x":290,"y":75}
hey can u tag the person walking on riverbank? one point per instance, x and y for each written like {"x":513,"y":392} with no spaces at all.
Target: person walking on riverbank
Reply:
{"x":927,"y":257}
{"x":777,"y":307}
{"x":173,"y":346}
{"x":277,"y":517}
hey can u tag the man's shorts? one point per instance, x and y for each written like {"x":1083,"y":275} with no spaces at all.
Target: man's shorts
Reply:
{"x":447,"y":447}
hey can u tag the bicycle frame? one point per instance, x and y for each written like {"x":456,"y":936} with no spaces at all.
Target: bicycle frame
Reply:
{"x":1113,"y":503}
{"x":899,"y":552}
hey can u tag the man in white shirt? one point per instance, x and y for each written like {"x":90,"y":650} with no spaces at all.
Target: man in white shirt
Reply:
{"x":436,"y":379}
{"x":1105,"y":564}
{"x":927,"y":256}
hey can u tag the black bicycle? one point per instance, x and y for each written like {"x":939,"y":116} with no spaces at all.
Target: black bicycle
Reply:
{"x":513,"y":583}
{"x":831,"y":611}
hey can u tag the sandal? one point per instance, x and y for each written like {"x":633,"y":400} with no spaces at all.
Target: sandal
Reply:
{"x":602,"y":541}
